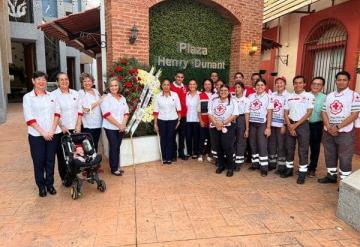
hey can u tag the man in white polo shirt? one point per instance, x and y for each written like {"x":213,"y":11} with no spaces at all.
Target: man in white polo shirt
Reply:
{"x":298,"y":108}
{"x":339,"y":112}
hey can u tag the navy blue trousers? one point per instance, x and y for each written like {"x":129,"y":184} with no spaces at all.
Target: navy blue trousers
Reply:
{"x":95,"y":134}
{"x":115,"y":138}
{"x":167,"y":135}
{"x":192,"y":130}
{"x":43,"y":156}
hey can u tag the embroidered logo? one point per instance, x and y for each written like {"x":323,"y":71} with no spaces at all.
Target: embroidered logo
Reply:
{"x":255,"y":105}
{"x":277,"y":105}
{"x":336,"y":107}
{"x":220,"y":110}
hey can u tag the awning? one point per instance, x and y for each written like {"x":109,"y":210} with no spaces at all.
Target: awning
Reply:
{"x":80,"y":31}
{"x":267,"y":44}
{"x":276,"y":8}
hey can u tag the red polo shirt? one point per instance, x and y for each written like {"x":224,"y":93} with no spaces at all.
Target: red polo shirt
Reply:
{"x":181,"y":92}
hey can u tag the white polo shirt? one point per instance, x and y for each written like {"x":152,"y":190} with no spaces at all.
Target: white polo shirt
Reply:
{"x":243,"y":104}
{"x":259,"y":106}
{"x":222,"y":110}
{"x":117,"y":108}
{"x":192,"y":107}
{"x":69,"y":107}
{"x":92,"y":119}
{"x":167,"y":107}
{"x":298,"y":104}
{"x":40,"y":109}
{"x":278,"y":101}
{"x":340,"y":105}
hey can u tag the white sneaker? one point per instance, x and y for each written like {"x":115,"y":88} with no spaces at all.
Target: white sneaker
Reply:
{"x":209,"y":159}
{"x":200,"y":158}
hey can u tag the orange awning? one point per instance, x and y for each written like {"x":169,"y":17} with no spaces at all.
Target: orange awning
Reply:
{"x":80,"y":31}
{"x":267,"y":44}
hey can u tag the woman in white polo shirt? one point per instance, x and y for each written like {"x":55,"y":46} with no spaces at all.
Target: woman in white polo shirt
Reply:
{"x":167,"y":116}
{"x":68,"y":100}
{"x":42,"y":115}
{"x":116,"y":114}
{"x":192,"y":125}
{"x":90,"y":113}
{"x":222,"y":112}
{"x":260,"y":126}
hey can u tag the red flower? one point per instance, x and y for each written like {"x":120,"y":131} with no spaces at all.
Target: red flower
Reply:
{"x":128,"y":84}
{"x":124,"y":62}
{"x":134,"y":80}
{"x":118,"y":68}
{"x":133,"y":71}
{"x":120,"y":77}
{"x":113,"y":74}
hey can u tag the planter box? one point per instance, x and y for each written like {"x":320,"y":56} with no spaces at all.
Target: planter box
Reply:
{"x":146,"y":149}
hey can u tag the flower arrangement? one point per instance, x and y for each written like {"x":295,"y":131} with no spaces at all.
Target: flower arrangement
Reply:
{"x":126,"y":71}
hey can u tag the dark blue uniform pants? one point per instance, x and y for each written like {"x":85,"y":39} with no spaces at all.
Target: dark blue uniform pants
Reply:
{"x":95,"y":134}
{"x":192,"y":130}
{"x":115,"y":138}
{"x":43,"y":156}
{"x":167,"y":135}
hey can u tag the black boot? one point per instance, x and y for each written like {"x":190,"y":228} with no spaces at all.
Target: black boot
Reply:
{"x":328,"y":179}
{"x":237,"y":167}
{"x":254,"y":166}
{"x":272,"y":166}
{"x":230,"y":173}
{"x":301,"y":178}
{"x":287,"y":173}
{"x":264,"y":171}
{"x":280,"y":169}
{"x":220,"y":169}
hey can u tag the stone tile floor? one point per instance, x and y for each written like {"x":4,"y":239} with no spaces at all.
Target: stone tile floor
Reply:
{"x":185,"y":204}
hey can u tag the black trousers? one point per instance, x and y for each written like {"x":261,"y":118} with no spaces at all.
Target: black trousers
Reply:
{"x":316,"y":130}
{"x":205,"y":143}
{"x":192,"y":131}
{"x":223,"y":147}
{"x":241,"y":141}
{"x":258,"y":143}
{"x":167,"y":133}
{"x":179,"y":147}
{"x":95,"y":134}
{"x":114,"y":138}
{"x":60,"y":158}
{"x":276,"y":147}
{"x":43,"y":156}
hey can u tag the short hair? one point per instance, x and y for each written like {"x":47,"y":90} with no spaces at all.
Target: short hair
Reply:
{"x":260,"y":80}
{"x":345,"y":73}
{"x":239,"y":73}
{"x":38,"y":74}
{"x":258,"y":74}
{"x":83,"y":76}
{"x":179,"y":72}
{"x":59,"y":74}
{"x":299,"y":77}
{"x":193,"y":80}
{"x":214,"y":72}
{"x":282,"y":78}
{"x":240,"y":84}
{"x":319,"y":78}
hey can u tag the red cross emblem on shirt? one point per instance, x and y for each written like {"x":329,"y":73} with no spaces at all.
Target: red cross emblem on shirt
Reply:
{"x":336,"y":107}
{"x":220,"y":110}
{"x":255,"y":105}
{"x":277,"y":105}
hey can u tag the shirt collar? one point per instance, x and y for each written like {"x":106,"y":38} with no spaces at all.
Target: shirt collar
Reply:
{"x":162,"y":93}
{"x":176,"y":85}
{"x":342,"y":92}
{"x":35,"y":94}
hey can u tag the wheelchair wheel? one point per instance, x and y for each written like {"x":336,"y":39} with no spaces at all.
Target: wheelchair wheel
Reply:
{"x":101,"y":185}
{"x":75,"y":190}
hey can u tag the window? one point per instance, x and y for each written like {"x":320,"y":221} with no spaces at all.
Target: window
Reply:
{"x":49,"y":8}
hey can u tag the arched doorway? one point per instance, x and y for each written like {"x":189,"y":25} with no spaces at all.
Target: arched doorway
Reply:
{"x":324,"y":50}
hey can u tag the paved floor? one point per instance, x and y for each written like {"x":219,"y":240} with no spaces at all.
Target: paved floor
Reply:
{"x":186,"y":204}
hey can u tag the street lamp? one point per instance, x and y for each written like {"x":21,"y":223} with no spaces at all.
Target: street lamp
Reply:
{"x":133,"y":35}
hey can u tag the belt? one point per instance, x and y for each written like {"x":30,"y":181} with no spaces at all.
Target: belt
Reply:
{"x":318,"y":122}
{"x":294,"y":122}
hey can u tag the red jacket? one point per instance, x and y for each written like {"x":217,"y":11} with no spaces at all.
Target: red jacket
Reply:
{"x":249,"y":90}
{"x":204,"y":102}
{"x":181,"y":92}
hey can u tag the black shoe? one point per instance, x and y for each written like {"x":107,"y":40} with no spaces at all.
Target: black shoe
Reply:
{"x":220,"y":170}
{"x":264,"y":171}
{"x":164,"y":162}
{"x":230,"y":173}
{"x":51,"y":190}
{"x":287,"y":173}
{"x":168,"y":162}
{"x":42,"y":192}
{"x":272,"y":166}
{"x":237,"y":167}
{"x":328,"y":179}
{"x":254,"y":166}
{"x":301,"y":178}
{"x":174,"y":159}
{"x":184,"y":157}
{"x":280,"y":170}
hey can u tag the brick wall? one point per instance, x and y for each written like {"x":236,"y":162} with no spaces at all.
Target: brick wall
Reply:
{"x":246,"y":16}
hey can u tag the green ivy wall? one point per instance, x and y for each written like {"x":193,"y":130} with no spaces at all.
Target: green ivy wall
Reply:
{"x":187,"y":21}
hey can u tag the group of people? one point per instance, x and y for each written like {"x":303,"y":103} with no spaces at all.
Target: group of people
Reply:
{"x":49,"y":116}
{"x":221,"y":122}
{"x":230,"y":122}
